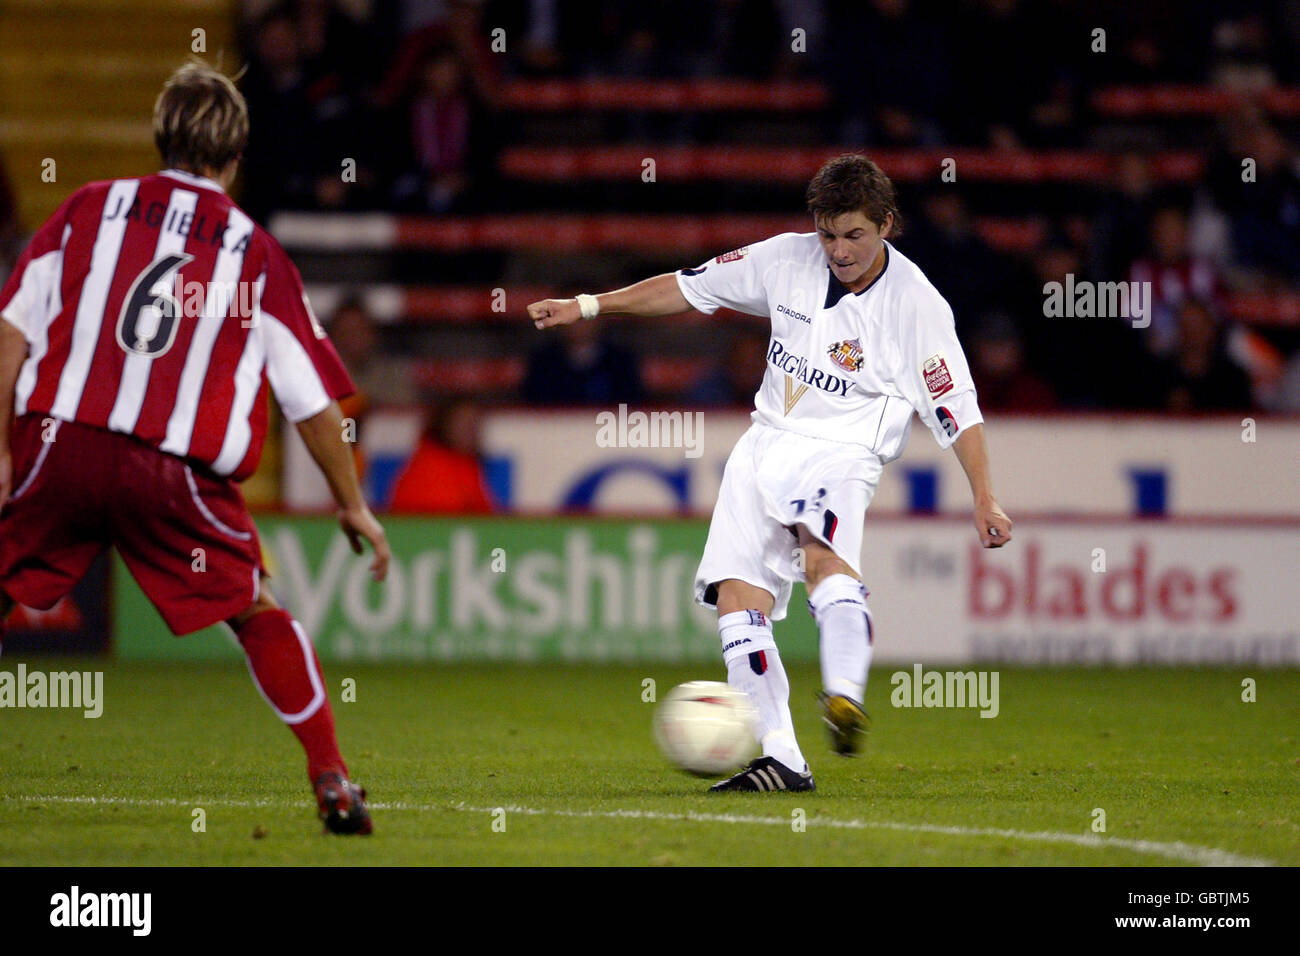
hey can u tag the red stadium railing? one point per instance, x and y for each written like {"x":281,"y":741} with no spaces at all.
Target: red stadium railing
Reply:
{"x":661,"y":95}
{"x":659,"y":374}
{"x":1276,"y":309}
{"x":463,"y":305}
{"x":1204,"y":101}
{"x":811,"y":95}
{"x":723,"y":95}
{"x":458,"y":305}
{"x":684,"y":236}
{"x":783,"y":164}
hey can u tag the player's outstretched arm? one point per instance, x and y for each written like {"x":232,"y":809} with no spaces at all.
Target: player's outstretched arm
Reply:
{"x":991,"y":521}
{"x":649,"y":298}
{"x":323,"y":436}
{"x":13,"y":352}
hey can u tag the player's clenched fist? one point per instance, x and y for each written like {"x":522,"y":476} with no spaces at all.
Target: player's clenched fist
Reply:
{"x":550,"y":312}
{"x":993,"y":524}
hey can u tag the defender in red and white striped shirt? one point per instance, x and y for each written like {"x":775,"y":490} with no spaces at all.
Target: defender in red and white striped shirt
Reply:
{"x":140,"y":331}
{"x":144,"y":301}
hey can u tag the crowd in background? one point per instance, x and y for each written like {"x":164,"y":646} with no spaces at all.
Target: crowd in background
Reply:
{"x":414,"y":88}
{"x":421,"y":80}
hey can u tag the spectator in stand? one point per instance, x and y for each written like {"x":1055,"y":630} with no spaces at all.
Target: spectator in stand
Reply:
{"x":1242,"y":53}
{"x":1264,"y":212}
{"x":437,"y":100}
{"x":732,"y":380}
{"x":1175,"y":276}
{"x":340,"y":51}
{"x":380,"y":378}
{"x":893,"y":36}
{"x":440,"y":133}
{"x":1004,"y":382}
{"x":1006,"y":69}
{"x":284,"y":156}
{"x":971,"y":275}
{"x":1123,"y":221}
{"x":445,"y":475}
{"x":1200,"y":376}
{"x":582,"y":367}
{"x":310,"y":62}
{"x":341,"y":59}
{"x":1090,"y":362}
{"x":455,"y":23}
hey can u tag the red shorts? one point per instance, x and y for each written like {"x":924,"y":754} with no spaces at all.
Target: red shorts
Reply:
{"x":186,"y":536}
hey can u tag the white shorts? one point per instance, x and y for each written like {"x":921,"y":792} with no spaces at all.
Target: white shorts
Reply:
{"x":776,"y":479}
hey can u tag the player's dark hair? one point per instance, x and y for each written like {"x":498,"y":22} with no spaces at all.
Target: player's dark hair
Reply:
{"x":853,"y":183}
{"x":200,"y":119}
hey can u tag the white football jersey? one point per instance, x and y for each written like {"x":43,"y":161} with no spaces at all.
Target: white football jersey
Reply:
{"x":844,"y":366}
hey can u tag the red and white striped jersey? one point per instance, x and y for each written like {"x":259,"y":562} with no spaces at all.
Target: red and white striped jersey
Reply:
{"x":156,"y":307}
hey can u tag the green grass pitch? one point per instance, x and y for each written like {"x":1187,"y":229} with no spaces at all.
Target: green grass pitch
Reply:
{"x":1184,"y":770}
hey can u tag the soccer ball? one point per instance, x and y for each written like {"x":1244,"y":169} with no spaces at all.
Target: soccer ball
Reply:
{"x":706,"y":728}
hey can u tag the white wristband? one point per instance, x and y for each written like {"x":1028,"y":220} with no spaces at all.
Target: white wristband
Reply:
{"x":588,"y":305}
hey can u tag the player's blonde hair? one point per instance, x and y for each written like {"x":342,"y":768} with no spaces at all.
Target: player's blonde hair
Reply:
{"x":200,"y":119}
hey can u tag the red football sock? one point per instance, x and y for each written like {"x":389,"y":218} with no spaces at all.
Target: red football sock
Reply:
{"x":287,"y":672}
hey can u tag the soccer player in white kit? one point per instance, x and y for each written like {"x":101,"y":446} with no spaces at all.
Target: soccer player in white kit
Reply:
{"x":860,"y":341}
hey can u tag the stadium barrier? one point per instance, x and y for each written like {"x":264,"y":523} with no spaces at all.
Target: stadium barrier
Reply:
{"x":669,"y":235}
{"x":716,"y":95}
{"x":391,"y":304}
{"x":541,"y":462}
{"x":767,"y":164}
{"x":531,"y":590}
{"x":712,"y":95}
{"x":1172,"y":99}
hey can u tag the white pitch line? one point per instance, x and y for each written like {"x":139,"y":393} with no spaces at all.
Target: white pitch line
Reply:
{"x":1182,"y":852}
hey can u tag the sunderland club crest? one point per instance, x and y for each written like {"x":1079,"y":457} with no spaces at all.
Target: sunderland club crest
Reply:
{"x":847,"y":354}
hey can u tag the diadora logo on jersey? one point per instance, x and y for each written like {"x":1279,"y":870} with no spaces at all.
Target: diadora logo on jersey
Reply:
{"x":847,"y":354}
{"x":733,"y":255}
{"x":946,"y":421}
{"x":938,"y":381}
{"x":794,"y":315}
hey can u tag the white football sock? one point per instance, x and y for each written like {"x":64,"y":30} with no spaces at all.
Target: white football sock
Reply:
{"x":839,"y":606}
{"x":754,"y":666}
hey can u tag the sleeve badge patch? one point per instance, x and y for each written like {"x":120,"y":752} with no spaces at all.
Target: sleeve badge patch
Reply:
{"x":947,"y":422}
{"x":733,"y":255}
{"x":938,"y":381}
